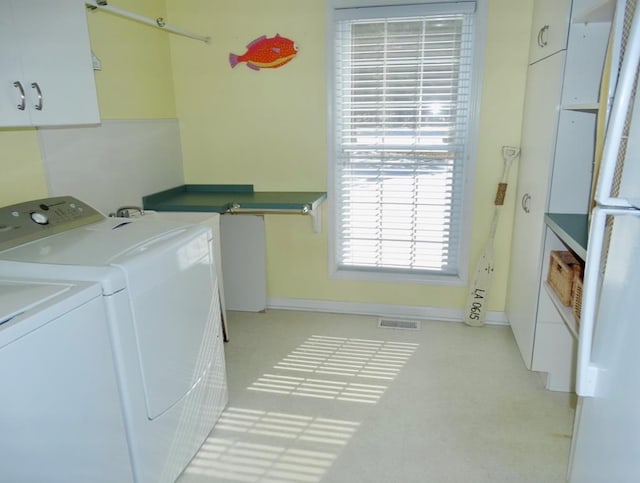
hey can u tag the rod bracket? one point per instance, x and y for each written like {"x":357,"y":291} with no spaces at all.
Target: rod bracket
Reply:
{"x":99,"y":3}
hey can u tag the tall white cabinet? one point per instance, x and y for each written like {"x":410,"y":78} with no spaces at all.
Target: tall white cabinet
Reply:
{"x":46,"y":72}
{"x":540,"y":125}
{"x":568,"y":48}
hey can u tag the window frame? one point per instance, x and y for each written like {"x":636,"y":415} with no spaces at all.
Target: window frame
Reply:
{"x":468,"y":176}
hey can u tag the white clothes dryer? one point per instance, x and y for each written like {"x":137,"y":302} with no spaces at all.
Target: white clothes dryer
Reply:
{"x":159,"y":289}
{"x":209,"y":219}
{"x":61,"y":418}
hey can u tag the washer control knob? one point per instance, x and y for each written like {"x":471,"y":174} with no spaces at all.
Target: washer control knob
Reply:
{"x":39,"y":218}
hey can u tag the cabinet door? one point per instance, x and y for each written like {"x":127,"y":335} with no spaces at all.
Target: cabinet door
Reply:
{"x":56,"y":60}
{"x":10,"y":72}
{"x":244,"y":265}
{"x":544,"y":82}
{"x":550,"y":28}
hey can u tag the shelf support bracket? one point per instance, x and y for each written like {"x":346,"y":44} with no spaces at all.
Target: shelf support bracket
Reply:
{"x":316,"y":218}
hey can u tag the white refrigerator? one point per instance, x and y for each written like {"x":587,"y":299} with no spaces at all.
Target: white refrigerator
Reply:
{"x":606,"y":440}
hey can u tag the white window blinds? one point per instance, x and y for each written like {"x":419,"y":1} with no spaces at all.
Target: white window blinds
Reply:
{"x":401,"y":114}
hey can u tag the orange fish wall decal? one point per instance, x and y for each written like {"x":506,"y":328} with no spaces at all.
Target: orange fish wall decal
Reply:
{"x":266,"y":53}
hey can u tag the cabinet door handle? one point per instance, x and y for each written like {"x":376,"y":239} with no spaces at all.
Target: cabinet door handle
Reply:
{"x":526,"y":198}
{"x":542,"y":42}
{"x":35,"y":86}
{"x":23,"y":104}
{"x":539,"y":35}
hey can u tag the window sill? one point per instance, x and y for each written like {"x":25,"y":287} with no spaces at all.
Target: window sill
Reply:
{"x":405,"y":278}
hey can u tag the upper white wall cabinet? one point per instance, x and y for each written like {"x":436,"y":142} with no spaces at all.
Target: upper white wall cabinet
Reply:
{"x":549,"y":28}
{"x":46,"y":73}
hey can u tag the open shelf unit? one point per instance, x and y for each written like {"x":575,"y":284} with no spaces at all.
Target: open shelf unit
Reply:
{"x":565,"y":313}
{"x":599,"y":11}
{"x":590,"y":107}
{"x":571,"y":229}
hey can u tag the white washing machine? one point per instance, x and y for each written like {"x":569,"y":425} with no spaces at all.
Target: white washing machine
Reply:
{"x":159,"y":289}
{"x":60,"y":412}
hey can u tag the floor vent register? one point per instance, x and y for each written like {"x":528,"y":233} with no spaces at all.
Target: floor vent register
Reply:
{"x":398,"y":324}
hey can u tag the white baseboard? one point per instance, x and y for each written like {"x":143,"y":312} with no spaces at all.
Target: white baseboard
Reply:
{"x":380,"y":310}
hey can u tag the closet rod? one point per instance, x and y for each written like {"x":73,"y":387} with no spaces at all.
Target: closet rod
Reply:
{"x":159,"y":22}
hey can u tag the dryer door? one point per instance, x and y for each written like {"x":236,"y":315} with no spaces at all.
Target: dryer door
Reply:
{"x":173,"y":296}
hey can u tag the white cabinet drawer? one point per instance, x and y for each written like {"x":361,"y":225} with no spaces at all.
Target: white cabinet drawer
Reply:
{"x":549,"y":29}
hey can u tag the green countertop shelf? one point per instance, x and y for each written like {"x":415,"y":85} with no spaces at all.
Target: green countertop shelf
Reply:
{"x":231,"y":198}
{"x":236,"y":199}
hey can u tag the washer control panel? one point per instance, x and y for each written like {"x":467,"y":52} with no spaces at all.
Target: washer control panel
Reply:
{"x":32,"y":220}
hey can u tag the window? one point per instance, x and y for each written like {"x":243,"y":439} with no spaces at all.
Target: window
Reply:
{"x":403,"y":93}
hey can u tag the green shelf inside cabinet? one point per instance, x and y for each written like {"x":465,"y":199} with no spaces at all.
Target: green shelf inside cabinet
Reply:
{"x":572,"y":229}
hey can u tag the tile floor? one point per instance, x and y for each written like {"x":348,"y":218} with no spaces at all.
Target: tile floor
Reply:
{"x":333,"y":398}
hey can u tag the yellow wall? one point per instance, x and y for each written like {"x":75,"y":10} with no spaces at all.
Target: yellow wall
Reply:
{"x":269,"y":128}
{"x":135,"y":83}
{"x":506,"y":58}
{"x":21,"y":165}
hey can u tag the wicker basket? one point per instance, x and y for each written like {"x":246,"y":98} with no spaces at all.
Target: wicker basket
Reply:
{"x":563,"y":267}
{"x":576,"y":299}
